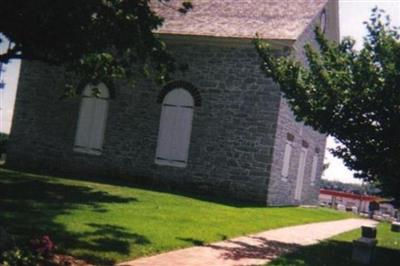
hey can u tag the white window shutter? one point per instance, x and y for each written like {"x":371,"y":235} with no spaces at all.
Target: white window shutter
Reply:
{"x":92,"y":120}
{"x":286,"y":160}
{"x":182,"y":134}
{"x":314,"y":168}
{"x":98,"y":124}
{"x":300,"y":174}
{"x":165,"y":136}
{"x":85,"y":119}
{"x":175,"y":128}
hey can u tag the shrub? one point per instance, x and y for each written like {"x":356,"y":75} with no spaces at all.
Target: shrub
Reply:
{"x":19,"y":257}
{"x":43,"y":247}
{"x":38,"y":253}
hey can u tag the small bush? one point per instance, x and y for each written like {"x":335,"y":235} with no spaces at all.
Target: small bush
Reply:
{"x":39,"y":252}
{"x":19,"y":257}
{"x":43,"y":247}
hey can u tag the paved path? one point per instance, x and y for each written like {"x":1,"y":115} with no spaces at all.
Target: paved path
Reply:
{"x":254,"y":249}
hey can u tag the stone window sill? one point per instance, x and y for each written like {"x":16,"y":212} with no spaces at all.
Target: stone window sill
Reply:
{"x":87,"y":151}
{"x":170,"y":163}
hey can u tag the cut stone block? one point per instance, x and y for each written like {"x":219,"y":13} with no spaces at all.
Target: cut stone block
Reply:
{"x":364,"y":250}
{"x":341,"y":207}
{"x":368,"y":232}
{"x":396,"y":227}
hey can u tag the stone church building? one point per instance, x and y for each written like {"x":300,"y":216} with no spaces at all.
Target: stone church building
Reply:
{"x":221,"y":128}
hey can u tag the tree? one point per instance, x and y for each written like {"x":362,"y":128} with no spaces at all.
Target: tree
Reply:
{"x":353,"y":96}
{"x":93,"y":39}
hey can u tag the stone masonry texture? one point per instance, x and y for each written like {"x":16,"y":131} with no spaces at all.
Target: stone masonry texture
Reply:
{"x":232,"y":137}
{"x":238,"y":135}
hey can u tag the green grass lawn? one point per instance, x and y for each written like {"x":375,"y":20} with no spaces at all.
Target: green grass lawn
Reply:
{"x":337,"y":251}
{"x":106,"y":223}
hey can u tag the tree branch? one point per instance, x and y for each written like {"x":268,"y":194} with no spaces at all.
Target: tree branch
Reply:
{"x":12,"y":53}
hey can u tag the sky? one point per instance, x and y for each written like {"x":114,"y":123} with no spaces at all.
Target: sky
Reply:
{"x":352,"y":15}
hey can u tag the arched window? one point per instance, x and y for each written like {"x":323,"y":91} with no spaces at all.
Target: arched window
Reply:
{"x":175,"y":128}
{"x":92,"y":119}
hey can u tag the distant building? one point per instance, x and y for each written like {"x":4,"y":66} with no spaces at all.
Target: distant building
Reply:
{"x":348,"y":199}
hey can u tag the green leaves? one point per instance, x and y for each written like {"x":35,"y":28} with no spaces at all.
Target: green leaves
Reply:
{"x":353,"y":96}
{"x":100,"y":66}
{"x":94,"y":39}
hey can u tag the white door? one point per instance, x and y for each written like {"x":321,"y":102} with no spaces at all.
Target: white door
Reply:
{"x":300,"y":174}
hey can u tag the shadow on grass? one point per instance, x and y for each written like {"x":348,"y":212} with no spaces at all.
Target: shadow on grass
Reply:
{"x":105,"y":238}
{"x":194,"y":242}
{"x":155,"y":185}
{"x":29,"y":207}
{"x":199,"y":242}
{"x":333,"y":253}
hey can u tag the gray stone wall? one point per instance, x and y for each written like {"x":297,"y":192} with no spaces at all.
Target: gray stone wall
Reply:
{"x":238,"y":135}
{"x":232,"y":137}
{"x":281,"y":191}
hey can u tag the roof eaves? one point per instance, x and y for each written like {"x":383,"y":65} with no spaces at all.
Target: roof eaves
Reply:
{"x":222,"y":40}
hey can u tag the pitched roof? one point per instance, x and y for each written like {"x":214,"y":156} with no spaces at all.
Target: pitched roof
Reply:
{"x":271,"y":19}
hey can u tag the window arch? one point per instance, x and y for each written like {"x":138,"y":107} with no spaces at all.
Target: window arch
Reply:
{"x":92,"y":119}
{"x":180,"y":84}
{"x":175,"y":128}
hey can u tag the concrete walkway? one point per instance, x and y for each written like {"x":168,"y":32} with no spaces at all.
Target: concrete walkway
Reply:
{"x":256,"y":249}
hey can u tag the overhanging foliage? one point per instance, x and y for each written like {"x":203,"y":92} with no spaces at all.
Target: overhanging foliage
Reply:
{"x":352,"y":95}
{"x":93,"y":39}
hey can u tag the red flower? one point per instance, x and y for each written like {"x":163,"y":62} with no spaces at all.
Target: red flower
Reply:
{"x":43,"y":246}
